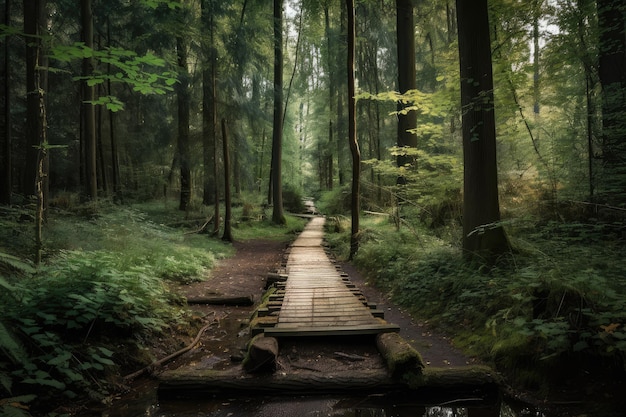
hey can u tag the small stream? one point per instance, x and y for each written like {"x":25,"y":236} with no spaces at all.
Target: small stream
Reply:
{"x":143,"y":401}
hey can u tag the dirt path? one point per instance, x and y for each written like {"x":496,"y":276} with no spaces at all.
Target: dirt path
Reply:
{"x":244,"y":274}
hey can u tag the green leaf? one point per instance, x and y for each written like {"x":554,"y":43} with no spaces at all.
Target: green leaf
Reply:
{"x":62,"y":359}
{"x":102,"y":360}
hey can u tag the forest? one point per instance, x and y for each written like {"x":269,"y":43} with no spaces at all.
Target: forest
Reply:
{"x":470,"y":157}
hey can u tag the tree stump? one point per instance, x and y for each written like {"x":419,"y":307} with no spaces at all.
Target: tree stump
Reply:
{"x":262,"y":354}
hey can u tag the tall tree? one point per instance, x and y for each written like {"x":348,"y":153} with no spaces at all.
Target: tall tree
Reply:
{"x":482,"y":233}
{"x":6,"y":184}
{"x":352,"y":137}
{"x":328,"y":156}
{"x":183,"y":98}
{"x":89,"y":113}
{"x":407,"y":121}
{"x":227,"y":236}
{"x":612,"y":72}
{"x":209,"y":113}
{"x":34,"y":18}
{"x":278,"y":215}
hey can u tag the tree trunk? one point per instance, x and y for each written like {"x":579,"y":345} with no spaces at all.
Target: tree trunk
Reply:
{"x":115,"y":158}
{"x":227,"y":236}
{"x":612,"y":73}
{"x":101,"y":165}
{"x":354,"y":145}
{"x":405,"y":35}
{"x":6,"y":184}
{"x":278,"y":216}
{"x":89,"y":111}
{"x":208,"y":105}
{"x":328,"y":153}
{"x":34,"y":14}
{"x":182,"y":95}
{"x":340,"y":128}
{"x":482,"y":233}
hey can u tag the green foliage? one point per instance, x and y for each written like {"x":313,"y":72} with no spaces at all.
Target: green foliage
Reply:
{"x":129,"y":68}
{"x":101,"y":294}
{"x":292,"y":199}
{"x":560,"y":296}
{"x":334,"y":202}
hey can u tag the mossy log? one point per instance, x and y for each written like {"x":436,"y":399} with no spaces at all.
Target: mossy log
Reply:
{"x":237,"y":300}
{"x":401,"y":358}
{"x":183,"y":383}
{"x":461,"y":376}
{"x":262,"y":355}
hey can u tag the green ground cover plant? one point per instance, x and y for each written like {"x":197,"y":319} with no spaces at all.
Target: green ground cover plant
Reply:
{"x":558,"y":296}
{"x":101,"y":298}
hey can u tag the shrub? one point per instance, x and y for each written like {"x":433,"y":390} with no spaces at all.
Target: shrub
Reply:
{"x":292,"y":199}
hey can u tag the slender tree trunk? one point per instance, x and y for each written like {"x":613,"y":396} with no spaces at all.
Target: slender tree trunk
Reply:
{"x":612,"y":72}
{"x":34,"y":15}
{"x":212,"y":124}
{"x":101,"y":166}
{"x":6,"y":183}
{"x":207,"y":116}
{"x":227,"y":236}
{"x":278,"y":216}
{"x":328,"y":153}
{"x":115,"y":158}
{"x":236,"y":171}
{"x":36,"y":116}
{"x":354,"y":145}
{"x":482,"y":233}
{"x":341,"y":122}
{"x":89,"y":111}
{"x":405,"y":36}
{"x":41,"y":179}
{"x":183,"y":124}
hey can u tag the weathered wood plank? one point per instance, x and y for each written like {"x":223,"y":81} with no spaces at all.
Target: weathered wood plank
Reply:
{"x":293,"y":331}
{"x":319,"y":299}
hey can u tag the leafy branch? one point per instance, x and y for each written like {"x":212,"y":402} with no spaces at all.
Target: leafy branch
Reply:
{"x":127,"y":67}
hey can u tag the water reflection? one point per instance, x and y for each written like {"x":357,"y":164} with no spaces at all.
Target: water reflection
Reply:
{"x":148,"y":406}
{"x":143,"y":401}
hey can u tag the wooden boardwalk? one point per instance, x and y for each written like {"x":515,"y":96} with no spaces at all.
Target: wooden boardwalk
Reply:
{"x":319,"y":300}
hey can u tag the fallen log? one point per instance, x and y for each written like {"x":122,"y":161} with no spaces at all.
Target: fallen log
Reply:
{"x":474,"y":375}
{"x":401,"y":358}
{"x":181,"y":384}
{"x":262,"y":355}
{"x":236,"y":300}
{"x":202,"y":228}
{"x":186,"y":383}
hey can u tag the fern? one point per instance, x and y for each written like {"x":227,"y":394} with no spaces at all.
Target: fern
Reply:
{"x":13,"y":263}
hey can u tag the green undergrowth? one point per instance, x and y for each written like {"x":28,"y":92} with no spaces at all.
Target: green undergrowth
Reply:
{"x":101,"y":301}
{"x":559,"y":296}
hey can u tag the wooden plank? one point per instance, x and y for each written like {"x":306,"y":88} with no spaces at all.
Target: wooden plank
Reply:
{"x":303,"y":331}
{"x":319,"y":298}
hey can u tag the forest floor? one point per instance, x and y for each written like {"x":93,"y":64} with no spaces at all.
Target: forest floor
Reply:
{"x":222,"y":345}
{"x":245,"y":274}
